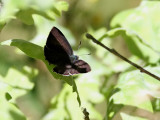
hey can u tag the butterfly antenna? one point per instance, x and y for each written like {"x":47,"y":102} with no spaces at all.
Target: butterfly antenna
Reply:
{"x":85,"y":54}
{"x":79,"y":44}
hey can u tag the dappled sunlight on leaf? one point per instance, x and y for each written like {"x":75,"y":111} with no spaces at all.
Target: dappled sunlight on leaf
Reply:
{"x":138,"y":89}
{"x":17,"y":79}
{"x":24,"y":10}
{"x":7,"y":107}
{"x":144,"y":21}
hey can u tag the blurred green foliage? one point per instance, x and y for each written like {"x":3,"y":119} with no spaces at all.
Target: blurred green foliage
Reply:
{"x":113,"y":90}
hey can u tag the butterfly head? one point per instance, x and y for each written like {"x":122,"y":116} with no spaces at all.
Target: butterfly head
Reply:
{"x":73,"y":58}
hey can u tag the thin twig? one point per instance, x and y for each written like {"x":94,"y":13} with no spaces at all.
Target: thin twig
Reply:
{"x":86,"y":114}
{"x":122,"y":57}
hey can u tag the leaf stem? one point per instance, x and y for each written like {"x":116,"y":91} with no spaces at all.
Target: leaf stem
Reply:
{"x":122,"y":57}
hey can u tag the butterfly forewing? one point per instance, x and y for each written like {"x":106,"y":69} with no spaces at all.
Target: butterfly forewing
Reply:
{"x":61,"y":40}
{"x":55,"y":50}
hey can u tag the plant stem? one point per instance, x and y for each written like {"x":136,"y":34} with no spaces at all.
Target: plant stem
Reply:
{"x":122,"y":57}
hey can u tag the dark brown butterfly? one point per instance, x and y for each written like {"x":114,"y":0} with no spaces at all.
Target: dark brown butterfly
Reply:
{"x":58,"y":51}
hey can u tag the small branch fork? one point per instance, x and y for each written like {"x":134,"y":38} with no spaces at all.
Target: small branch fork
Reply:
{"x":122,"y":57}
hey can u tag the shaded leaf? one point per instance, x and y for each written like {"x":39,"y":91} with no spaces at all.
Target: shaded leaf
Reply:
{"x":30,"y":49}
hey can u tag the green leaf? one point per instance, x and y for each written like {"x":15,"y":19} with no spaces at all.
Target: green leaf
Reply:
{"x":136,"y":89}
{"x":60,"y":6}
{"x":8,"y":96}
{"x":144,"y":22}
{"x":35,"y":51}
{"x":2,"y":24}
{"x":26,"y":9}
{"x":135,"y":44}
{"x":8,"y":110}
{"x":64,"y":106}
{"x":128,"y":117}
{"x":30,"y":49}
{"x":20,"y":81}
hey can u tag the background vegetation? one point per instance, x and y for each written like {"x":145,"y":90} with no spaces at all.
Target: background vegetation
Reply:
{"x":113,"y":90}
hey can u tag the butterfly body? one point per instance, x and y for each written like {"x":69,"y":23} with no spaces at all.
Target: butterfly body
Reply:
{"x":58,"y":51}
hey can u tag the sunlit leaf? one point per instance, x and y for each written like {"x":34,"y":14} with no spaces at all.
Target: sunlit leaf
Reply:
{"x":137,"y":89}
{"x":8,"y":110}
{"x":25,"y":10}
{"x":144,"y":21}
{"x":135,"y":43}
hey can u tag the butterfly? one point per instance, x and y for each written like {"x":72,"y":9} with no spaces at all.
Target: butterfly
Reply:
{"x":58,"y":51}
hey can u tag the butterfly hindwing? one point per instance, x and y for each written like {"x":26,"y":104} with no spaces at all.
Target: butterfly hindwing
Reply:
{"x":79,"y":66}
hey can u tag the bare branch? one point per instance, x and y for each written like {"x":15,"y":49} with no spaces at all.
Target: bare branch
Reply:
{"x":122,"y":57}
